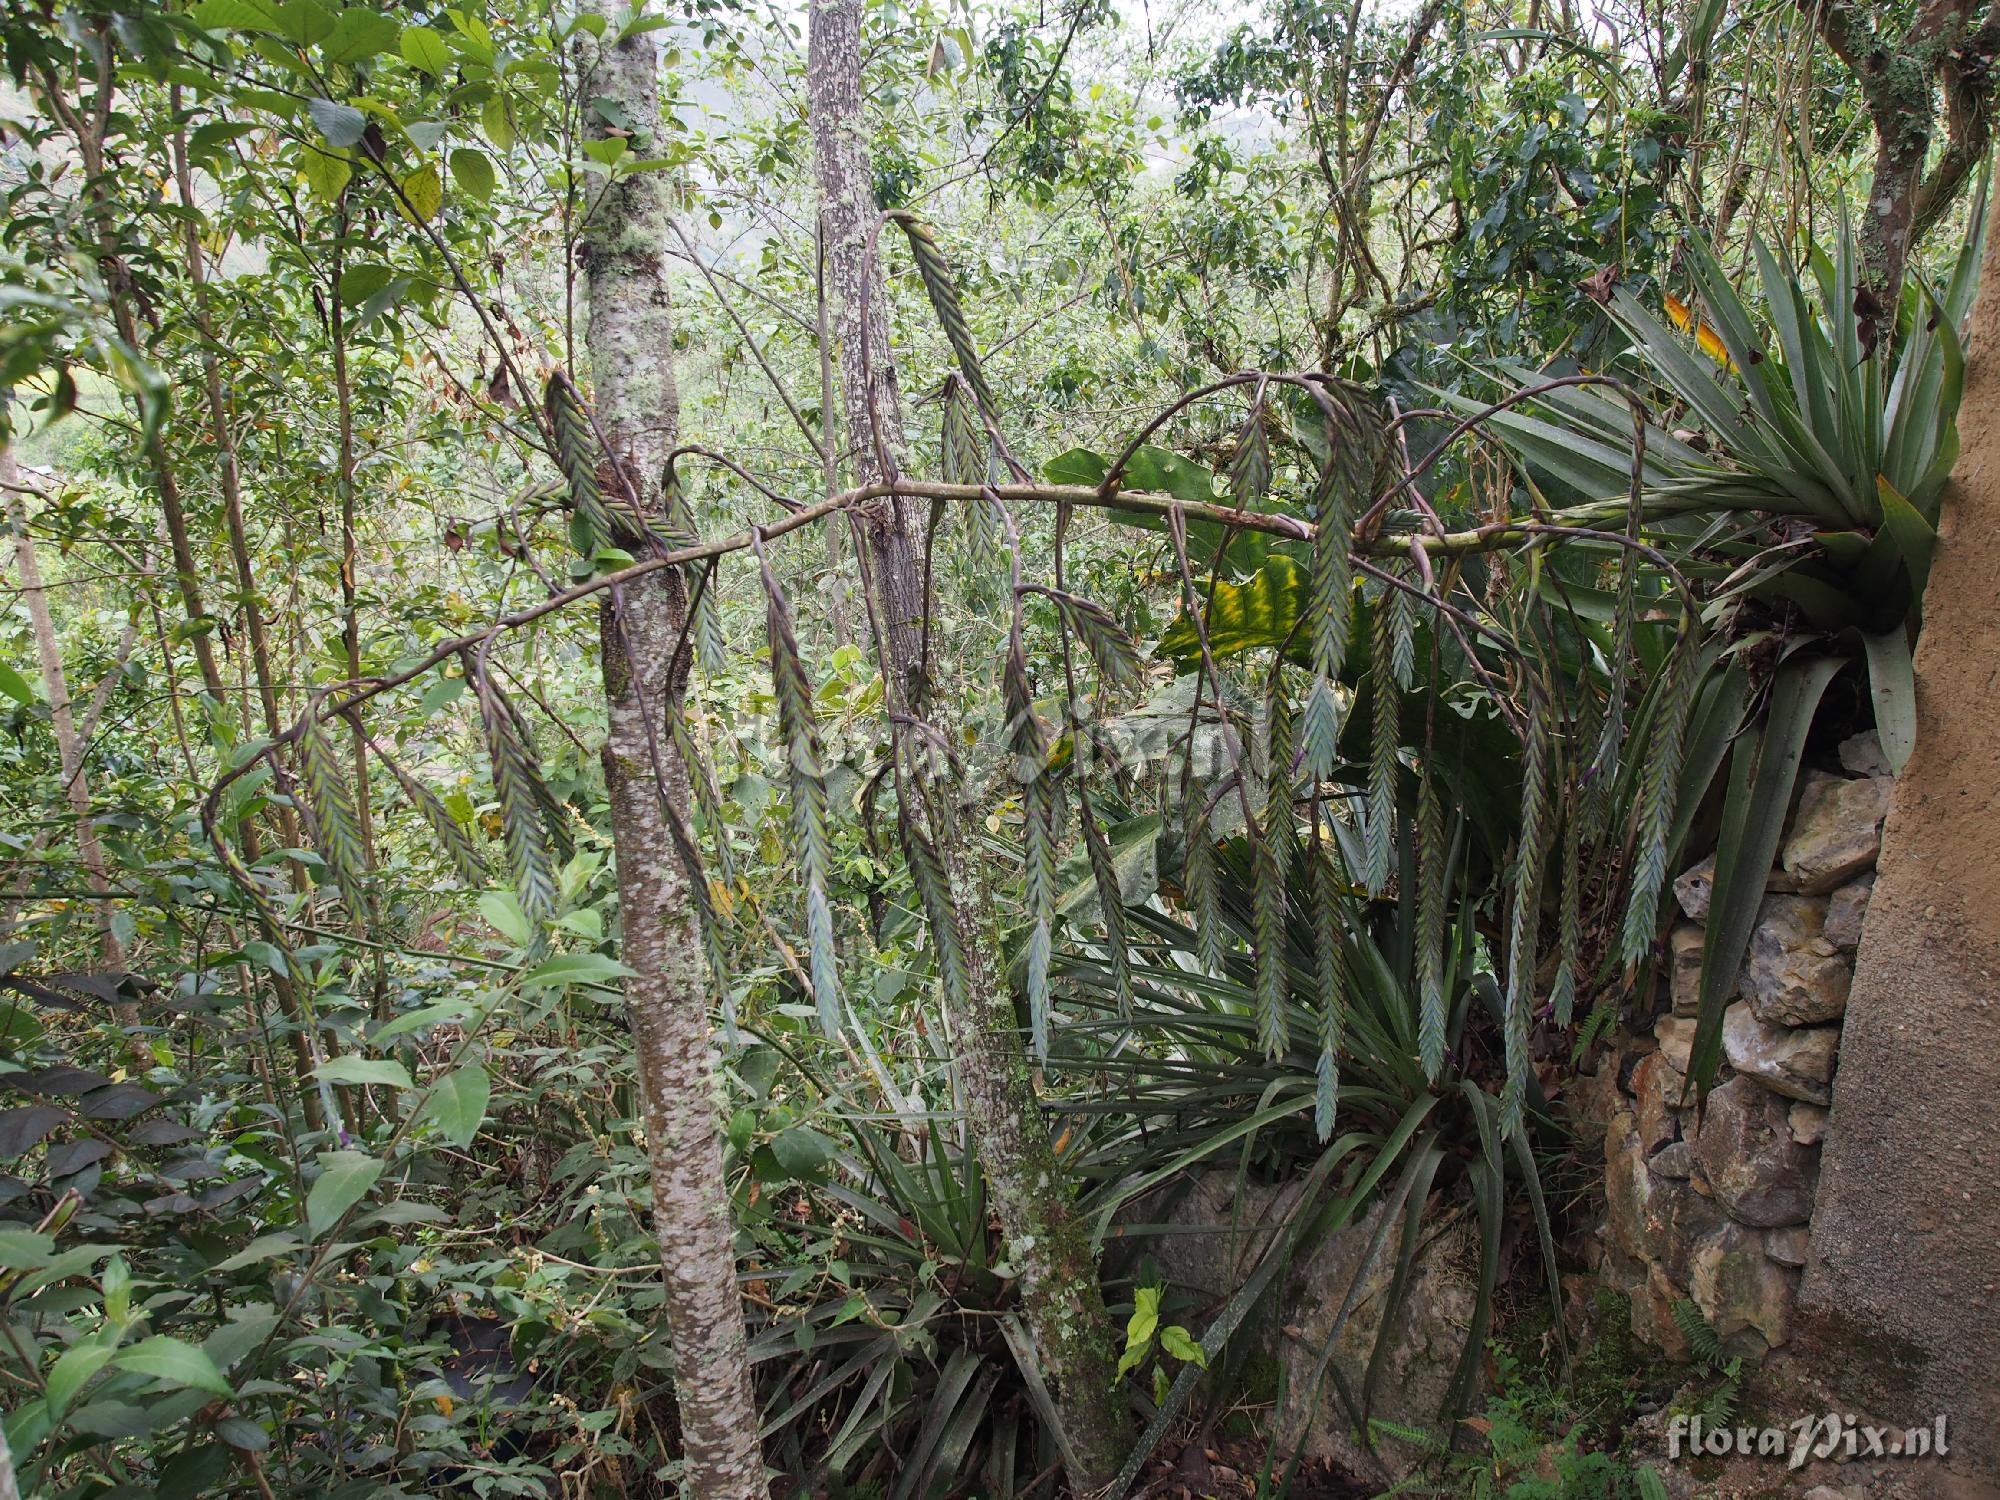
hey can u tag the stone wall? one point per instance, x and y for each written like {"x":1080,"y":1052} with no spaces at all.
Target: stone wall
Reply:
{"x":1718,"y":1211}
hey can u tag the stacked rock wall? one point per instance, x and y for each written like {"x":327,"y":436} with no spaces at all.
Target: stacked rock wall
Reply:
{"x":1718,"y":1212}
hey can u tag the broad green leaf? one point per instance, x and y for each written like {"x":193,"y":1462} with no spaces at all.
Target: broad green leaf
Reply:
{"x":458,"y":1103}
{"x":263,"y":1248}
{"x":232,"y":15}
{"x":1145,"y":1317}
{"x":169,"y":1359}
{"x":359,"y":34}
{"x":353,"y":1068}
{"x":327,"y":173}
{"x":473,"y":173}
{"x":1177,"y":1341}
{"x":1257,"y":613}
{"x":304,"y":23}
{"x":497,"y":123}
{"x":340,"y":124}
{"x":502,"y":911}
{"x":801,"y":1150}
{"x":424,"y":50}
{"x":15,"y":686}
{"x":344,"y":1179}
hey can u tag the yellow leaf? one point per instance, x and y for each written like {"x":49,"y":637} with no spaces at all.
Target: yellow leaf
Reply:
{"x":423,"y":195}
{"x":1705,"y":337}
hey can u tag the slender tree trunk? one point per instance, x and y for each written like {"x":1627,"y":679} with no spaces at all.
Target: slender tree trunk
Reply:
{"x":69,"y":745}
{"x":1046,"y":1241}
{"x":630,"y":339}
{"x":231,"y":483}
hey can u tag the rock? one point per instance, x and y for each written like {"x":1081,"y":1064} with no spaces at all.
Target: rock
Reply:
{"x":1694,"y":888}
{"x":1652,"y":1219}
{"x":1674,"y":1161}
{"x":1653,"y":1315}
{"x":1808,"y":1124}
{"x":1423,"y":1342}
{"x":1795,"y":1061}
{"x":1686,"y":943}
{"x":1651,"y":1081}
{"x":1837,"y":830}
{"x":1844,"y":910}
{"x":1745,"y":1149}
{"x":1675,"y":1036}
{"x":1793,"y":976}
{"x":1861,"y":755}
{"x":1788,"y":1245}
{"x":1746,"y":1297}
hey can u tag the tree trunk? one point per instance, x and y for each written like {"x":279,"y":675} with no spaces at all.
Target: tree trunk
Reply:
{"x":630,"y":338}
{"x":1046,"y":1242}
{"x":69,"y":745}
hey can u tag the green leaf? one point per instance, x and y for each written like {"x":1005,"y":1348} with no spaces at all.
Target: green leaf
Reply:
{"x":24,"y":1249}
{"x":342,"y":125}
{"x":497,"y":123}
{"x":169,"y":1359}
{"x":69,"y":1374}
{"x":359,"y":283}
{"x":1257,"y":613}
{"x":444,"y":1013}
{"x":473,"y":173}
{"x":15,"y":686}
{"x":1892,"y":687}
{"x":1181,"y":1345}
{"x":358,"y":34}
{"x":574,"y":968}
{"x":801,"y":1150}
{"x":344,"y":1179}
{"x":422,"y":196}
{"x":327,"y":173}
{"x":353,"y":1068}
{"x":424,"y":50}
{"x":232,"y":15}
{"x":502,"y":911}
{"x":1145,"y":1317}
{"x":458,"y":1103}
{"x":606,"y":150}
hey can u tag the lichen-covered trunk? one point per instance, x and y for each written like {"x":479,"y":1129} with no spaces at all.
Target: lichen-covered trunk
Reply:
{"x":630,"y":335}
{"x":1046,"y":1240}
